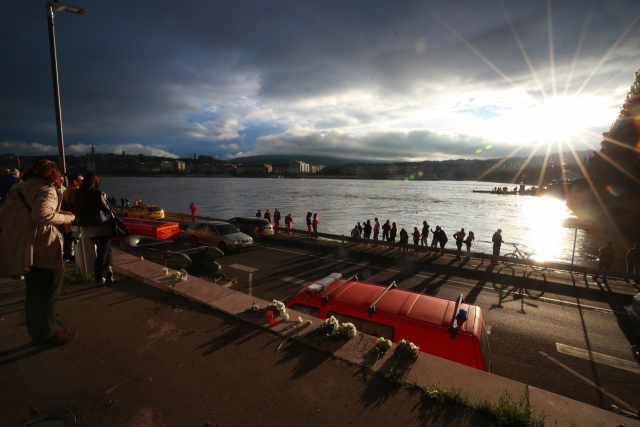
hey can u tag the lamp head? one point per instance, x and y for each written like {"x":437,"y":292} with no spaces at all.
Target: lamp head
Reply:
{"x":57,"y":7}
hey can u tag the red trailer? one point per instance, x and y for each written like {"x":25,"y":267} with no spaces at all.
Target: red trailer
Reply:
{"x":157,"y":229}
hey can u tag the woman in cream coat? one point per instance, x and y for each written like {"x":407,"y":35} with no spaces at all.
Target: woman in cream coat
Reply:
{"x":31,"y":246}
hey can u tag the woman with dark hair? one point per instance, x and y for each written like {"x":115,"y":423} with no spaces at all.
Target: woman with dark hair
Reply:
{"x":308,"y":221}
{"x":31,"y":245}
{"x":92,"y":211}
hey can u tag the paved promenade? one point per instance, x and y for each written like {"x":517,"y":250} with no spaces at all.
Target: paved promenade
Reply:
{"x":146,"y":358}
{"x":139,"y":340}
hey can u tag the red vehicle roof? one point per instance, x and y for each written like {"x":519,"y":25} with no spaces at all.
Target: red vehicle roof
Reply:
{"x":397,"y":302}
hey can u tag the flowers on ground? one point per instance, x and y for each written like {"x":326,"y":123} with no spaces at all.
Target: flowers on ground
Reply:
{"x":382,"y":346}
{"x":404,"y":351}
{"x":178,"y":277}
{"x":276,"y":306}
{"x":330,"y":329}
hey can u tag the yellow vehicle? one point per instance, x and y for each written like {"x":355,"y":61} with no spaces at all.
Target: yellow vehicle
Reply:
{"x":144,"y":212}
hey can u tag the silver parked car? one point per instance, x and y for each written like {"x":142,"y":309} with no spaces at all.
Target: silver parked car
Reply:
{"x":219,"y":234}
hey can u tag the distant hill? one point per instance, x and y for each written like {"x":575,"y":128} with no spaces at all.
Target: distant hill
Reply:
{"x":286,"y":158}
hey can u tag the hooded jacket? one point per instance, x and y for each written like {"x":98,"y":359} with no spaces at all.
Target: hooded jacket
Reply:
{"x":30,"y":239}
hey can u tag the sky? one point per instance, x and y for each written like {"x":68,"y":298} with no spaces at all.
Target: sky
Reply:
{"x":371,"y":80}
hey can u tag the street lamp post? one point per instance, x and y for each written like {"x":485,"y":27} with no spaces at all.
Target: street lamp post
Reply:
{"x":53,"y":6}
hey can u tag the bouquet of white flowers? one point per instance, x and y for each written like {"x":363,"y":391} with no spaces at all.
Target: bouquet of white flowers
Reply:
{"x":330,"y":329}
{"x":276,"y":306}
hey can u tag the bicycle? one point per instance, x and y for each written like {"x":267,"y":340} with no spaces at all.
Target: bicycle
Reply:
{"x":518,"y":254}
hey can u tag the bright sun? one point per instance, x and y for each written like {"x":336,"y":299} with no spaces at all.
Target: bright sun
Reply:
{"x":552,"y":120}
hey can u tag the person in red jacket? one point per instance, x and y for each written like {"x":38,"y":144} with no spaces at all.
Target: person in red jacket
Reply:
{"x":287,"y":221}
{"x":193,"y":208}
{"x":315,"y":223}
{"x":276,"y":219}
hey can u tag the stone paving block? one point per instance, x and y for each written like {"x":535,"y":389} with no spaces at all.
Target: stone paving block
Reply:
{"x":569,"y":412}
{"x":200,"y":290}
{"x":236,"y":303}
{"x":358,"y":350}
{"x":162,"y":282}
{"x":205,"y":293}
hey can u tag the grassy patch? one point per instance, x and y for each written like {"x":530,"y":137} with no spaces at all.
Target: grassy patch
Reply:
{"x":74,"y":277}
{"x":508,"y":412}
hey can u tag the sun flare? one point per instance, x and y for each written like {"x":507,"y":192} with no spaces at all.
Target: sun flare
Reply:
{"x":556,"y":119}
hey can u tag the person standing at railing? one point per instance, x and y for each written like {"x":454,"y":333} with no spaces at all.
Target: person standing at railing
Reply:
{"x":386,"y":228}
{"x":355,"y":234}
{"x":459,"y":236}
{"x":308,"y":221}
{"x":315,"y":223}
{"x":404,"y":240}
{"x":442,"y":238}
{"x":607,"y":254}
{"x":376,"y":231}
{"x":367,"y":230}
{"x":259,"y":213}
{"x":633,"y":261}
{"x":267,"y":216}
{"x":359,"y":230}
{"x":393,"y":232}
{"x":425,"y":234}
{"x":193,"y":208}
{"x":416,"y":237}
{"x":287,"y":221}
{"x":434,"y":237}
{"x":497,"y":242}
{"x":468,"y":242}
{"x":276,"y":219}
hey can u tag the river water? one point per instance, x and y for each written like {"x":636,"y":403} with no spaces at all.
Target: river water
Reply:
{"x":534,"y":224}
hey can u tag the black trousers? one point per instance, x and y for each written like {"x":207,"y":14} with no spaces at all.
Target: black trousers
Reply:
{"x":496,"y":250}
{"x":41,"y":301}
{"x":104,"y":258}
{"x":67,"y":244}
{"x":315,"y":231}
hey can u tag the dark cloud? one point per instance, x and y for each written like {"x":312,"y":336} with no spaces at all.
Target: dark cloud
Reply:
{"x":217,"y":77}
{"x":381,"y":145}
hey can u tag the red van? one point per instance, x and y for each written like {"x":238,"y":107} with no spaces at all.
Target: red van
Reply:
{"x":445,"y":328}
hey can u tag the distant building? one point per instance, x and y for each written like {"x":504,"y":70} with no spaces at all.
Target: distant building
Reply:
{"x":280,"y":168}
{"x":298,"y":167}
{"x":167,"y":166}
